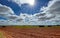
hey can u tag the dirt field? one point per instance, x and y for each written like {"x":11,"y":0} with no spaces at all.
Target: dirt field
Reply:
{"x":31,"y":32}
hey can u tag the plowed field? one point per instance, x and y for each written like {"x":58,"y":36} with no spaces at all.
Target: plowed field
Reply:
{"x":31,"y":32}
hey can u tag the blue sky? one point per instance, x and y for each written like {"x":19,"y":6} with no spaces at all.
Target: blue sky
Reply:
{"x":25,"y":8}
{"x":19,"y":12}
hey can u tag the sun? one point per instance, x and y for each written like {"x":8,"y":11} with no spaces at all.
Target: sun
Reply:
{"x":31,"y":2}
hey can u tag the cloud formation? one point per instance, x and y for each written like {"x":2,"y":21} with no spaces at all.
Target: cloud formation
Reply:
{"x":5,"y":11}
{"x":49,"y":16}
{"x":51,"y":12}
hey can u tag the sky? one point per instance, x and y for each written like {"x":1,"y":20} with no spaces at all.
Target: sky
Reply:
{"x":29,"y":12}
{"x":25,"y":8}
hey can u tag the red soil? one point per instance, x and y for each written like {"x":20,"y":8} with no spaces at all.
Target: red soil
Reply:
{"x":32,"y":32}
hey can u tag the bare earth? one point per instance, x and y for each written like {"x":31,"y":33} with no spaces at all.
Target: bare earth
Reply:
{"x":11,"y":32}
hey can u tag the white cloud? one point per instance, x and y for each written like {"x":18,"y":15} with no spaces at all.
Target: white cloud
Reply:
{"x":5,"y":11}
